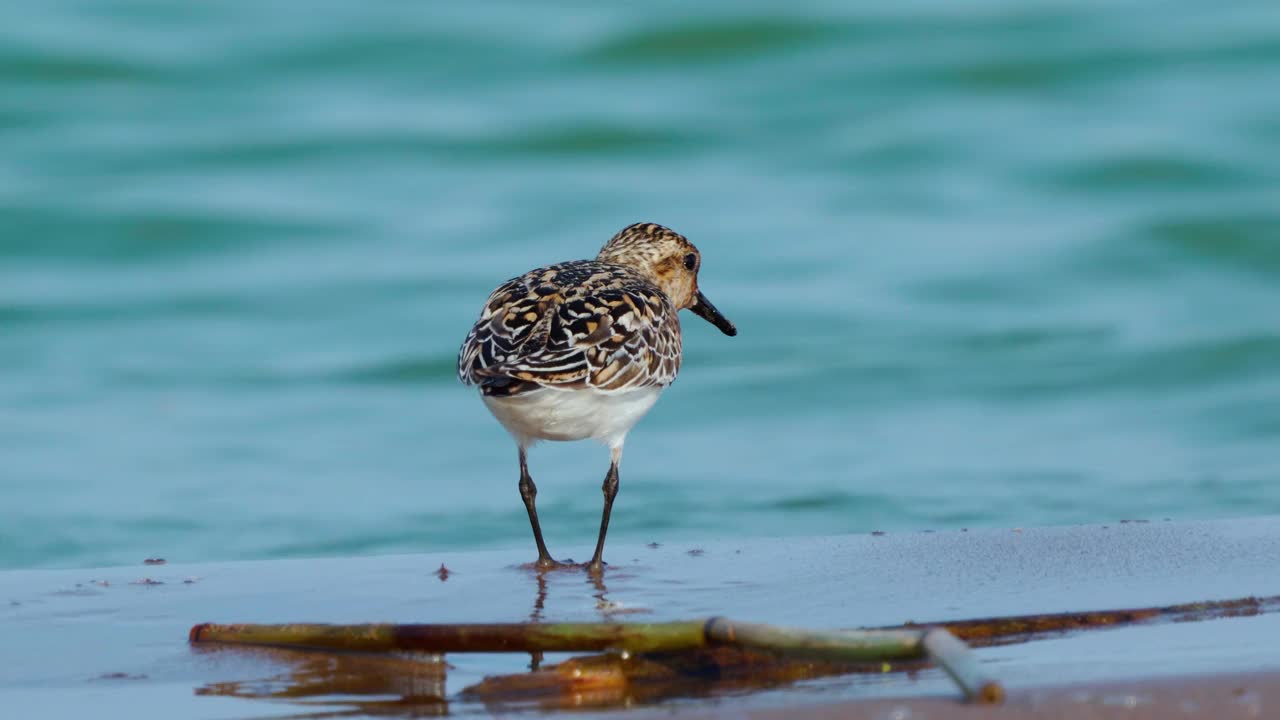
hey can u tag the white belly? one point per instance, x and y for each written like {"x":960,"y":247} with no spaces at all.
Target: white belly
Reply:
{"x":550,"y":414}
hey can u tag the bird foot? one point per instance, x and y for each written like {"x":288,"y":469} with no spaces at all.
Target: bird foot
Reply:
{"x":549,"y":563}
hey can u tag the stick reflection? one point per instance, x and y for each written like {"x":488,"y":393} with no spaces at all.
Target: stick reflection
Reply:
{"x":341,"y":684}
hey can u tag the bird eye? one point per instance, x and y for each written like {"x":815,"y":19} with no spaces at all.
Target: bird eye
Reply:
{"x":690,"y":261}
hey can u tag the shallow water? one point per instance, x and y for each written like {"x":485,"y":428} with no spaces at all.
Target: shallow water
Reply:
{"x":1005,"y":265}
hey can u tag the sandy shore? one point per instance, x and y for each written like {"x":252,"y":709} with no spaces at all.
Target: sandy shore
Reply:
{"x":1244,"y":696}
{"x":79,"y":643}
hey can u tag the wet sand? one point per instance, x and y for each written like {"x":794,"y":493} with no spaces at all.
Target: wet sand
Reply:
{"x":1245,"y":696}
{"x":83,"y":642}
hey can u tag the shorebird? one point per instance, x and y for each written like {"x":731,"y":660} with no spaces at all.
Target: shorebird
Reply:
{"x":583,"y":349}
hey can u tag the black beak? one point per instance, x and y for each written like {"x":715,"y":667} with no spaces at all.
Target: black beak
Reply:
{"x":703,"y":308}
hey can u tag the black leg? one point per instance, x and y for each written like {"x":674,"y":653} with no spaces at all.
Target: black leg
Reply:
{"x":529,"y":491}
{"x":610,"y":489}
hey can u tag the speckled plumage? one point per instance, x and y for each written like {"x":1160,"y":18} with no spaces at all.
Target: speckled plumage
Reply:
{"x":583,"y":349}
{"x":581,"y":324}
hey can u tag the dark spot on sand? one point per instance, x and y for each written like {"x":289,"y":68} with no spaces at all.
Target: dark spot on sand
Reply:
{"x":121,"y":676}
{"x":697,"y":552}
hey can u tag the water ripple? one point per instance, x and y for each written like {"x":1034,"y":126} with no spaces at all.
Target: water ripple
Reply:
{"x":993,"y":264}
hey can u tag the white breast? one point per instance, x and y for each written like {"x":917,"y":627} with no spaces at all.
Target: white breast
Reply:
{"x":551,"y":414}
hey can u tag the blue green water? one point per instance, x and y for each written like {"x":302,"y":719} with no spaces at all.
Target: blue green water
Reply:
{"x":993,"y":264}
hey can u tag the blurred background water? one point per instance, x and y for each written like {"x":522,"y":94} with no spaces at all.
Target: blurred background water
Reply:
{"x":994,"y":264}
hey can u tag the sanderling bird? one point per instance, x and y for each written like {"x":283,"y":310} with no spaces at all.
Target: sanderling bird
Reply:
{"x":583,"y":349}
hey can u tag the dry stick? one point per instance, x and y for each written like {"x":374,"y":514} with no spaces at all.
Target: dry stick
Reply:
{"x":495,"y":637}
{"x":961,"y":664}
{"x":842,"y":646}
{"x":1021,"y":628}
{"x":862,"y":645}
{"x":833,"y":646}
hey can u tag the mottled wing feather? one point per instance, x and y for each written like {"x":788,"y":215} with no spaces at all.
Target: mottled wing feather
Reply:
{"x":579,"y":324}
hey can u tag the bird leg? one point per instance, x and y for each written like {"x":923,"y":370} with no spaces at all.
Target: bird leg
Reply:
{"x":528,"y":492}
{"x":610,"y":489}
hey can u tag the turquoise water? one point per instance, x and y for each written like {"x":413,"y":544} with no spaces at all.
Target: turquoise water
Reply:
{"x":1005,"y":264}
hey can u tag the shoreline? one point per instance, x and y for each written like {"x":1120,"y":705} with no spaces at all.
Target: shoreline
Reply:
{"x":79,"y":639}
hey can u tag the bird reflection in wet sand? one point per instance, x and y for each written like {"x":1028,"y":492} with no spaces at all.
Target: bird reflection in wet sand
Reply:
{"x":583,"y":349}
{"x":606,"y":607}
{"x":539,"y":605}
